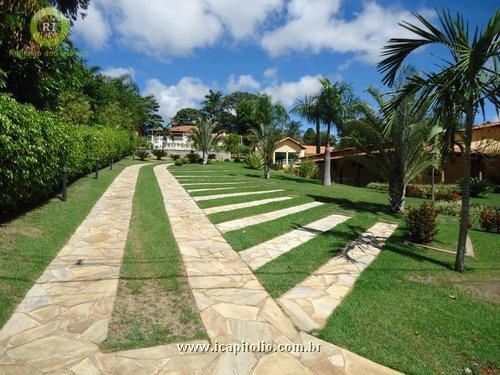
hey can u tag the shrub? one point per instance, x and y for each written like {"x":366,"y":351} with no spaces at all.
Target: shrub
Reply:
{"x":142,"y":153}
{"x":421,"y":223}
{"x":489,"y":219}
{"x":175,"y":157}
{"x":289,"y":169}
{"x":415,"y":191}
{"x":35,"y":145}
{"x":199,"y":160}
{"x":159,"y":153}
{"x":447,"y":194}
{"x":308,"y":169}
{"x":192,"y":157}
{"x":212,"y":156}
{"x":383,"y":186}
{"x":179,"y":162}
{"x":451,"y":208}
{"x":237,"y":160}
{"x":254,"y":161}
{"x":227,"y":160}
{"x":477,"y":187}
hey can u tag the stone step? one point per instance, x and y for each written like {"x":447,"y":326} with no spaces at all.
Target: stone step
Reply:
{"x":311,"y":302}
{"x":231,"y":207}
{"x":265,"y":252}
{"x":219,"y":196}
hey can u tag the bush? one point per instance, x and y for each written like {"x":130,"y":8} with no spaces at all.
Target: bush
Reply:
{"x":489,"y":219}
{"x":35,"y":145}
{"x":212,"y":156}
{"x":421,"y":223}
{"x":179,"y":162}
{"x":451,"y":208}
{"x":308,"y":169}
{"x":447,"y":194}
{"x":383,"y":186}
{"x":175,"y":157}
{"x":192,"y":157}
{"x":415,"y":191}
{"x":227,"y":160}
{"x":142,"y":153}
{"x":477,"y":187}
{"x":159,"y":153}
{"x":289,"y":169}
{"x":254,"y":161}
{"x":237,"y":160}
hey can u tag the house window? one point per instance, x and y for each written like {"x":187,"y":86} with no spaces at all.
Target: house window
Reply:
{"x":280,"y":157}
{"x":293,"y":157}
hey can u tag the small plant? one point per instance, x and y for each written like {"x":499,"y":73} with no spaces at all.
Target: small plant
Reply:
{"x":289,"y":169}
{"x":451,"y":208}
{"x":212,"y":156}
{"x":179,"y":162}
{"x":142,"y":153}
{"x":308,"y":169}
{"x":176,"y":157}
{"x":477,"y":187}
{"x":159,"y":153}
{"x":415,"y":191}
{"x":447,"y":194}
{"x":421,"y":223}
{"x":378,"y":186}
{"x":192,"y":157}
{"x":254,"y":161}
{"x":227,"y":160}
{"x":237,"y":160}
{"x":489,"y":219}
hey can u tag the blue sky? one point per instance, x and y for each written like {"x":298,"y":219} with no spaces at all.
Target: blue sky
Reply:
{"x":178,"y":49}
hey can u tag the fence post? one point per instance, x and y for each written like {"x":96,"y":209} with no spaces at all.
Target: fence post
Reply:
{"x":111,"y":165}
{"x":65,"y":184}
{"x":96,"y":169}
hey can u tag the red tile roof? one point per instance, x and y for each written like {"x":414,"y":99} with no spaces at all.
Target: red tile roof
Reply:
{"x":182,"y":128}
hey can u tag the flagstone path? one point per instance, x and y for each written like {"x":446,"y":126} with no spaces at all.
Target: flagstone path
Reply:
{"x":212,"y":188}
{"x":236,"y":206}
{"x":214,"y":183}
{"x":228,"y":226}
{"x":219,"y":196}
{"x":311,"y":302}
{"x":262,"y":253}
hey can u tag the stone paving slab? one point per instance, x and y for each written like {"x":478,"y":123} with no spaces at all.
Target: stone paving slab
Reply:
{"x":260,"y":254}
{"x":66,"y":313}
{"x":231,"y":207}
{"x":219,"y":196}
{"x":212,"y":188}
{"x":228,"y":226}
{"x":214,"y":183}
{"x":311,"y":302}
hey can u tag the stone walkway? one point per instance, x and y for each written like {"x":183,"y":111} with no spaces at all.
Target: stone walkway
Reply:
{"x":311,"y":302}
{"x":219,"y":196}
{"x":66,"y":313}
{"x":236,"y":206}
{"x":265,"y":252}
{"x":213,"y":183}
{"x":262,"y":218}
{"x":212,"y":188}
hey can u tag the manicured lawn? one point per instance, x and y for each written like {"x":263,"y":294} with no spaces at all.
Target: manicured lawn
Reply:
{"x":154,"y":303}
{"x":408,"y":310}
{"x":30,"y":242}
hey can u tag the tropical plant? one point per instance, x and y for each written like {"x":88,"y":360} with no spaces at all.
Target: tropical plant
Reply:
{"x":192,"y":157}
{"x":176,"y":157}
{"x":477,"y":187}
{"x":463,"y":84}
{"x":212,"y":105}
{"x":270,"y":117}
{"x":309,"y":110}
{"x":254,"y":161}
{"x":308,"y":168}
{"x":337,"y":103}
{"x":489,"y":219}
{"x":142,"y":153}
{"x":393,"y":146}
{"x":421,"y":223}
{"x":292,"y":129}
{"x":204,"y":137}
{"x":159,"y":153}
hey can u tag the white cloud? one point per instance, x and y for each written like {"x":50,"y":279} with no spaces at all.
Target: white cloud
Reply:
{"x":288,"y":92}
{"x":245,"y":81}
{"x":118,"y":71}
{"x":270,"y":73}
{"x":241,"y":20}
{"x":94,"y":28}
{"x":315,"y":25}
{"x":188,"y":92}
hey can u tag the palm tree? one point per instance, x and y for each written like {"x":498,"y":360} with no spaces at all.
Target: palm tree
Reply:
{"x":292,"y":129}
{"x":212,"y":105}
{"x":308,"y":109}
{"x":204,"y":137}
{"x":270,"y":118}
{"x":336,"y":102}
{"x":469,"y":78}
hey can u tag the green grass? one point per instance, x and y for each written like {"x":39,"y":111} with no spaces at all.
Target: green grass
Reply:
{"x":154,"y":304}
{"x":400,"y":312}
{"x":30,"y":242}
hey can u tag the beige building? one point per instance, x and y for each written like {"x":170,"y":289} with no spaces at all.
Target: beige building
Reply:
{"x":288,"y":151}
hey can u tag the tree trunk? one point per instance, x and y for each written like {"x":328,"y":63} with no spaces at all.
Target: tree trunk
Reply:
{"x":397,"y":190}
{"x":318,"y":137}
{"x":432,"y":183}
{"x":267,"y":170}
{"x":205,"y":157}
{"x":327,"y":177}
{"x":464,"y":213}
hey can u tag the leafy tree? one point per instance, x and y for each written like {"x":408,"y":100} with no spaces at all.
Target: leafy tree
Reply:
{"x":186,"y":116}
{"x":204,"y":136}
{"x":151,"y":119}
{"x":308,"y":108}
{"x":309,"y":137}
{"x":337,"y":103}
{"x":212,"y":105}
{"x":74,"y":109}
{"x":229,"y":119}
{"x":245,"y":117}
{"x":468,"y":78}
{"x":233,"y":143}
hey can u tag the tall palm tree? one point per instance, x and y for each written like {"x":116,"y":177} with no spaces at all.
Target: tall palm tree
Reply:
{"x":469,"y":78}
{"x":213,"y":105}
{"x":204,"y":136}
{"x":336,"y":102}
{"x":308,"y":109}
{"x":270,"y":118}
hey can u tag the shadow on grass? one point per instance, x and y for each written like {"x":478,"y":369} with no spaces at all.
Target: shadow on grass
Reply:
{"x":358,"y":206}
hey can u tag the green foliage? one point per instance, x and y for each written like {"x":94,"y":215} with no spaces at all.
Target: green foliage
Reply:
{"x":186,"y":116}
{"x":489,"y":219}
{"x":74,"y":109}
{"x":176,"y":157}
{"x":159,"y":153}
{"x":36,"y":145}
{"x":382,"y":186}
{"x":309,"y":137}
{"x":308,"y":169}
{"x":448,"y":208}
{"x":421,"y":223}
{"x":288,"y":169}
{"x":204,"y":136}
{"x":227,"y":160}
{"x":179,"y":162}
{"x":253,"y":161}
{"x":415,"y":190}
{"x":142,"y":153}
{"x":233,"y":141}
{"x":192,"y":157}
{"x":212,"y":156}
{"x":477,"y":187}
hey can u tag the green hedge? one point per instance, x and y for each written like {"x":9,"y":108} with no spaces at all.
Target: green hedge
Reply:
{"x":35,"y":145}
